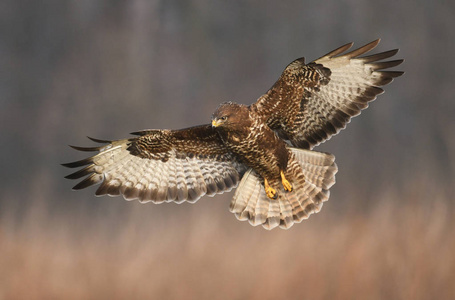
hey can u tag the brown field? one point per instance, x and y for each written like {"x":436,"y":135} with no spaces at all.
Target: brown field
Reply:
{"x":396,"y":250}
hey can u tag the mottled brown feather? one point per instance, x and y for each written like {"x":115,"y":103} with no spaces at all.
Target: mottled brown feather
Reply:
{"x":311,"y":103}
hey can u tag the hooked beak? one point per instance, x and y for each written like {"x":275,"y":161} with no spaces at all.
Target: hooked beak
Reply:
{"x":216,"y":123}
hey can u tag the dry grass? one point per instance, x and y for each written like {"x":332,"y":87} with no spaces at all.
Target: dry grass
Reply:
{"x":394,"y":251}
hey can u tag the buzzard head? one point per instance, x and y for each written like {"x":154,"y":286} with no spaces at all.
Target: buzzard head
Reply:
{"x":230,"y":116}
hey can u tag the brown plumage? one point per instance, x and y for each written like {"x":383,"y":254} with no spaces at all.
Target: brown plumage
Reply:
{"x":264,"y":148}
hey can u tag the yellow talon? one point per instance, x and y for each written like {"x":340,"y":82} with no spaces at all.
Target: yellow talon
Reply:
{"x":287,"y":186}
{"x":270,"y":191}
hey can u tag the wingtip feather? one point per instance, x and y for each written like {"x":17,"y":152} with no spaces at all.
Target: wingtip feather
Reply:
{"x":99,"y":141}
{"x":78,"y":163}
{"x":386,"y":64}
{"x":364,"y":49}
{"x":379,"y":56}
{"x":86,"y":149}
{"x":89,"y":181}
{"x":339,"y":50}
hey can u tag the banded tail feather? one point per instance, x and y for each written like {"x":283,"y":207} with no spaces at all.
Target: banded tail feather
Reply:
{"x":311,"y":174}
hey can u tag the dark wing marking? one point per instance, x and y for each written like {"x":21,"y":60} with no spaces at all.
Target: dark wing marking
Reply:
{"x":161,"y":165}
{"x":312,"y":102}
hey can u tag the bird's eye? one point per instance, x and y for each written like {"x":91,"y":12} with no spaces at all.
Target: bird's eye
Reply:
{"x":223,"y":118}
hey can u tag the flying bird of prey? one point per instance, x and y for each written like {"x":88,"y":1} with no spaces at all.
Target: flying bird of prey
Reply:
{"x":265,"y":148}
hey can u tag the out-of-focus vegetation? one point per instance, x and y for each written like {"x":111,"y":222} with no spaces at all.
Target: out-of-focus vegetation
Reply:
{"x":394,"y":251}
{"x":106,"y":68}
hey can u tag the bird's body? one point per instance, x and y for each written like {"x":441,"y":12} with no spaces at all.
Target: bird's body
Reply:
{"x":265,"y":148}
{"x":251,"y":140}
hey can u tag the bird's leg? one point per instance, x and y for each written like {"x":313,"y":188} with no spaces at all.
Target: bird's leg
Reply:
{"x":270,"y":191}
{"x":286,"y":184}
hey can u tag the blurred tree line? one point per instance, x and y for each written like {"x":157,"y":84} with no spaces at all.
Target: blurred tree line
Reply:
{"x":106,"y":68}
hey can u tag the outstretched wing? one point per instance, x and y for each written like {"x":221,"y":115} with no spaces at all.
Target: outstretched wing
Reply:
{"x":311,"y":102}
{"x":161,"y":165}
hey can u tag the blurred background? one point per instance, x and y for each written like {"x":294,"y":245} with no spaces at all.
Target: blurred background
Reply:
{"x":106,"y":68}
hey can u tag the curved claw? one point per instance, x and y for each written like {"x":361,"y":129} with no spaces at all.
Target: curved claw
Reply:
{"x":270,"y":191}
{"x":286,"y":184}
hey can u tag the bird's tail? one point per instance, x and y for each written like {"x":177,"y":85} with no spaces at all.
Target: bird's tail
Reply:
{"x":311,"y":174}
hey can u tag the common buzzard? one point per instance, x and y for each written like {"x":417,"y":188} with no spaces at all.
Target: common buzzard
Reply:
{"x":264,"y":148}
